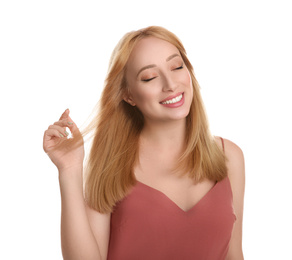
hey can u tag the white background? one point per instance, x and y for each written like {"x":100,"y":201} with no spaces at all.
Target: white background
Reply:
{"x":54,"y":55}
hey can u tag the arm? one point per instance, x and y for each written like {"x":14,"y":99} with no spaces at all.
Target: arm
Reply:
{"x":236,"y":174}
{"x":81,"y":237}
{"x":84,"y":232}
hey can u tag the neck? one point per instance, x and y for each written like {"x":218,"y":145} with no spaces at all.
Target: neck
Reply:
{"x":166,"y":135}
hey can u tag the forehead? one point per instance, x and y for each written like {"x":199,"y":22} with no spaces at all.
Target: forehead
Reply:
{"x":151,"y":50}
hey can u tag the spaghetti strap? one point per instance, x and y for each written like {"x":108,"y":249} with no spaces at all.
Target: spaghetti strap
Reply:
{"x":222,"y":144}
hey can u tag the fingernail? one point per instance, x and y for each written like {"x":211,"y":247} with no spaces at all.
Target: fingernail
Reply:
{"x":61,"y":135}
{"x":70,"y":123}
{"x":66,"y":133}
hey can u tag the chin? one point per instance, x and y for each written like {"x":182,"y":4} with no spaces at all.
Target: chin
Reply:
{"x":181,"y":115}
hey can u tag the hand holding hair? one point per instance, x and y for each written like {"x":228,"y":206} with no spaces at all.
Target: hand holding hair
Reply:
{"x":65,"y":152}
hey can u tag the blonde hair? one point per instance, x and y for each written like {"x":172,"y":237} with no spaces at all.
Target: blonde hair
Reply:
{"x":109,"y":173}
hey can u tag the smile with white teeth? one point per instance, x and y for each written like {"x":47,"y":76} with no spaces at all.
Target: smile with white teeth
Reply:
{"x":174,"y":100}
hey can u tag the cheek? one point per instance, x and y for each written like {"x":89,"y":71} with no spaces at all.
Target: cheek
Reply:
{"x":142,"y":95}
{"x":188,"y":79}
{"x":188,"y":82}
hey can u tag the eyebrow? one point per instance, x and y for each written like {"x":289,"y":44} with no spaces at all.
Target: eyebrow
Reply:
{"x":153,"y":65}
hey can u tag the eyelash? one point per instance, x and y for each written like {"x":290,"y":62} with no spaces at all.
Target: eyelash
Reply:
{"x":147,"y":80}
{"x":179,"y":68}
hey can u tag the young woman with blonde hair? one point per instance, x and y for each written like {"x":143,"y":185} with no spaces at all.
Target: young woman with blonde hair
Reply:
{"x":157,"y":184}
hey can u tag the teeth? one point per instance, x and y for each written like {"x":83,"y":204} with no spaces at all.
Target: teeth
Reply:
{"x":174,"y":100}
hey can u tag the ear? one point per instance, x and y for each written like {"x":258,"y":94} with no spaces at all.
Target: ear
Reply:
{"x":129,"y":100}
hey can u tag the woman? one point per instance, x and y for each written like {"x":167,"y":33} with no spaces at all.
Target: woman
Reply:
{"x":157,"y":184}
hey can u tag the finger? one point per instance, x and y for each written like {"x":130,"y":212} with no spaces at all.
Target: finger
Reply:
{"x":65,"y":114}
{"x":50,"y":133}
{"x":61,"y":129}
{"x":73,"y":127}
{"x":63,"y":123}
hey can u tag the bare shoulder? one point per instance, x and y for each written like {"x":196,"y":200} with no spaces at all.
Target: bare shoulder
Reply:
{"x":233,"y":153}
{"x":235,"y":159}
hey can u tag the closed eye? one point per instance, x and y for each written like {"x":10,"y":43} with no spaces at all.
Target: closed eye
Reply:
{"x":147,"y":80}
{"x":179,"y":68}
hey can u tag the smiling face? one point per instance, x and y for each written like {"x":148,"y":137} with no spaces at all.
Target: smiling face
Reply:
{"x":159,"y":82}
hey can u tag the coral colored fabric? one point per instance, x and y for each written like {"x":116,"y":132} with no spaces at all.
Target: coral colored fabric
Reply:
{"x":147,"y":225}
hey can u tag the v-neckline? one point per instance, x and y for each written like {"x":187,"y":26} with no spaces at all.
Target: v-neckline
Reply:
{"x":173,"y":203}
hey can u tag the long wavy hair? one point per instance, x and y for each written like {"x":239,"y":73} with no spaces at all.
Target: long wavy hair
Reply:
{"x":116,"y":128}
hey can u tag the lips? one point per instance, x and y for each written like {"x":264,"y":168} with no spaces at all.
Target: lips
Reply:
{"x":172,"y":99}
{"x":177,"y":101}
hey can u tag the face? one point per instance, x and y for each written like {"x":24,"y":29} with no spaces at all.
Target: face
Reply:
{"x":159,"y":82}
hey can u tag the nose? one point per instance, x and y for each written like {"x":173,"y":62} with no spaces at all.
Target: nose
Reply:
{"x":169,"y":84}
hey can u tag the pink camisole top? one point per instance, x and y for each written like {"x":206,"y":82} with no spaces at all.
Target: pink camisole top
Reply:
{"x":148,"y":225}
